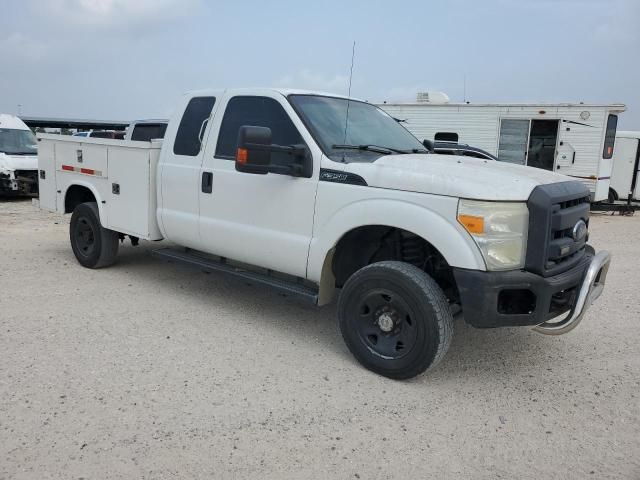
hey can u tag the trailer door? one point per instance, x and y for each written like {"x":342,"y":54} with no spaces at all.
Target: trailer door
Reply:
{"x":543,"y":138}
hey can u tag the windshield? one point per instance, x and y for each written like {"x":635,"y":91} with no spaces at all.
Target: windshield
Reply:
{"x":17,"y":142}
{"x":369,"y":130}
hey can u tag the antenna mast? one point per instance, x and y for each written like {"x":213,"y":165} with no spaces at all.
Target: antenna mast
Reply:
{"x":464,"y":81}
{"x":346,"y":120}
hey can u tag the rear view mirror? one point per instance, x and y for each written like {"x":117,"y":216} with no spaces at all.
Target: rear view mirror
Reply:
{"x":253,"y":154}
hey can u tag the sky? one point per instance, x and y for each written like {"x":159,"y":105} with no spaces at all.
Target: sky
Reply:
{"x":127,"y":59}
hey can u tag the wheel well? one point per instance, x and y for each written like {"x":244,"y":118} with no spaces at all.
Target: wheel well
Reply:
{"x":613,"y":193}
{"x":77,"y":194}
{"x":375,"y":243}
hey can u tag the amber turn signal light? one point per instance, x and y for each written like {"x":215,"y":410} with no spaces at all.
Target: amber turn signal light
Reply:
{"x":472,"y":223}
{"x":242,"y":155}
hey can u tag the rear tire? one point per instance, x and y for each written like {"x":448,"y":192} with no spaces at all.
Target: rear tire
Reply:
{"x":613,"y":196}
{"x":395,"y":319}
{"x":93,"y":245}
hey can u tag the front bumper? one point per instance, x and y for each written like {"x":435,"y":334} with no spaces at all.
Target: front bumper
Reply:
{"x":19,"y":182}
{"x":516,"y":298}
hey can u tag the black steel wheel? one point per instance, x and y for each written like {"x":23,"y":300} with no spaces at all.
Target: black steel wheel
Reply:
{"x":395,"y":319}
{"x":93,"y":245}
{"x":386,"y":323}
{"x":85,"y":237}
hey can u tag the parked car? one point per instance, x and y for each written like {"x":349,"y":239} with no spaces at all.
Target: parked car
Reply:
{"x":18,"y":157}
{"x":281,"y":187}
{"x":113,"y":134}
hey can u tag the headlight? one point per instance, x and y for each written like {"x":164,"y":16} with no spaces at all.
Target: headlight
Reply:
{"x":499,"y":229}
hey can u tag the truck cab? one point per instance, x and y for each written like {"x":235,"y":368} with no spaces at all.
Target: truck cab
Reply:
{"x":327,"y":196}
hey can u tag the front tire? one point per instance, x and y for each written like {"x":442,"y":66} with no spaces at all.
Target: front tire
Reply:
{"x":395,"y":319}
{"x":93,"y":245}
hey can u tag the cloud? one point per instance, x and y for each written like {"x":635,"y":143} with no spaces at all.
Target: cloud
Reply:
{"x":18,"y":47}
{"x":619,"y":23}
{"x":113,"y":13}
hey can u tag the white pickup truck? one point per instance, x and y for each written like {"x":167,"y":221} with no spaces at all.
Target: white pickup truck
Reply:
{"x":317,"y":194}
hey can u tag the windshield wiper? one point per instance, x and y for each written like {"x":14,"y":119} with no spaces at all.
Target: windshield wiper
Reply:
{"x":369,"y":148}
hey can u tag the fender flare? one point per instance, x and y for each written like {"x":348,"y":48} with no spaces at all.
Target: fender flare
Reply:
{"x":101,"y":207}
{"x":451,"y":240}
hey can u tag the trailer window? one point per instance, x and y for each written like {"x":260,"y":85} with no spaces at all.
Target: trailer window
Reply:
{"x":192,"y":123}
{"x":610,"y":136}
{"x":512,"y":146}
{"x":259,"y":112}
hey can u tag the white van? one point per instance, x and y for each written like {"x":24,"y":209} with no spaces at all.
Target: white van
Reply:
{"x":18,"y":157}
{"x":625,"y":176}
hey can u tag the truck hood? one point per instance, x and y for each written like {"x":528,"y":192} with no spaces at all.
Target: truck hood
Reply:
{"x":454,"y":176}
{"x":18,"y":162}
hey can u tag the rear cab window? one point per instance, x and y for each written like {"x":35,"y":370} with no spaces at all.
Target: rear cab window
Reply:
{"x":258,"y":112}
{"x":610,"y":136}
{"x":192,"y":126}
{"x":144,"y":132}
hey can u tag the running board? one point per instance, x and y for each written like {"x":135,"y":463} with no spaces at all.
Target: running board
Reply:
{"x":189,"y":257}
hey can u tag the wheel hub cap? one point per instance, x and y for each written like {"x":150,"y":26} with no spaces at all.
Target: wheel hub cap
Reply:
{"x":385,"y":322}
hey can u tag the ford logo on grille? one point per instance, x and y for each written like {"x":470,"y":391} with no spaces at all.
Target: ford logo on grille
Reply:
{"x":579,"y":230}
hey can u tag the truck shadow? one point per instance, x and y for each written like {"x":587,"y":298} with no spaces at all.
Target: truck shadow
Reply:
{"x":473,"y":353}
{"x":15,"y":199}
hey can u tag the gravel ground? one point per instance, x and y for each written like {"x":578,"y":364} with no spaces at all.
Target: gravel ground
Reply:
{"x":154,"y":370}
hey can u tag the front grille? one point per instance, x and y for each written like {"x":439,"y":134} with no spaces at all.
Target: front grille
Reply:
{"x":27,"y":181}
{"x":554,"y":211}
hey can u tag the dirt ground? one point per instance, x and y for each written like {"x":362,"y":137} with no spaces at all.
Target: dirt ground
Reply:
{"x":155,"y":370}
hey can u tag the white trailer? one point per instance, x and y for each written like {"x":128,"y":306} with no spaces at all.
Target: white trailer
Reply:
{"x":574,"y":139}
{"x":625,"y":177}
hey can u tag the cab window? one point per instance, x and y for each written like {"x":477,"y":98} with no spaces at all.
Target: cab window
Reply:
{"x":257,"y":112}
{"x":192,"y":125}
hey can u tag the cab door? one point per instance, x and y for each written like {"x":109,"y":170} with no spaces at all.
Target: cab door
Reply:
{"x":180,"y":172}
{"x":262,"y":220}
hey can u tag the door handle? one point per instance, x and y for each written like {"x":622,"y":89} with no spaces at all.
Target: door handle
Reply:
{"x":207,"y":182}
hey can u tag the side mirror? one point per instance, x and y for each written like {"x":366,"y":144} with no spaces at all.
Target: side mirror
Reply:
{"x":253,"y":154}
{"x":428,"y":144}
